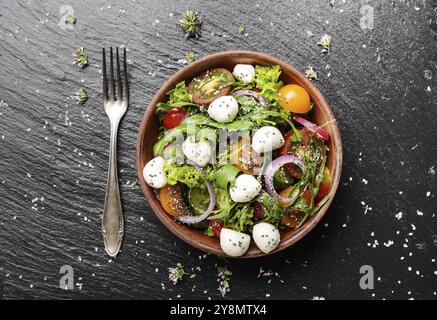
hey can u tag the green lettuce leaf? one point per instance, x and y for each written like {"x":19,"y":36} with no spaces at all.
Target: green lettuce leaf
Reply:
{"x":267,"y":79}
{"x":179,"y":94}
{"x":225,"y":175}
{"x":185,"y":174}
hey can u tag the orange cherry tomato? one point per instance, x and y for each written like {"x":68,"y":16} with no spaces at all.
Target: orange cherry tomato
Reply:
{"x":294,"y":98}
{"x":172,"y":200}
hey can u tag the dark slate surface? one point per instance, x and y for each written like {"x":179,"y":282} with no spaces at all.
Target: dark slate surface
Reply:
{"x":53,"y":153}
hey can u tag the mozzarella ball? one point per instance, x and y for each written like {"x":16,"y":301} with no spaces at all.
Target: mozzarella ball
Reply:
{"x":244,"y":72}
{"x":234,"y":243}
{"x":266,"y":236}
{"x":245,"y":189}
{"x":267,"y":139}
{"x":153,"y":173}
{"x":198,"y":152}
{"x":223,"y":109}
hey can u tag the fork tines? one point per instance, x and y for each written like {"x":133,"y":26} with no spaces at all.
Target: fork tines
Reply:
{"x":115,"y":94}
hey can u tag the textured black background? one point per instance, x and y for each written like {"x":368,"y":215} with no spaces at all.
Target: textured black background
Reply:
{"x":53,"y":153}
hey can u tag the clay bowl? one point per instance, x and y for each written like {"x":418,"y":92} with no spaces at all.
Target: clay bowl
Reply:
{"x":148,"y":132}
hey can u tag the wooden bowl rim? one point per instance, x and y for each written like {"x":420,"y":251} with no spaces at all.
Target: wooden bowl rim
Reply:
{"x":315,"y":95}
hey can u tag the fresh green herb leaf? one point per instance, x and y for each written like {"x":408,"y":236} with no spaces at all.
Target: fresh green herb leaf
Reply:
{"x":81,"y":58}
{"x":176,"y":274}
{"x":311,"y":74}
{"x":241,"y":218}
{"x":325,"y":43}
{"x":191,"y":23}
{"x":273,"y":207}
{"x":80,"y":96}
{"x":190,"y":57}
{"x":319,"y":177}
{"x":223,"y":278}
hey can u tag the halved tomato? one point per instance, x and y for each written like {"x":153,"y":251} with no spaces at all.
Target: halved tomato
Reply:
{"x":244,"y":158}
{"x":172,"y":200}
{"x":298,"y":148}
{"x":210,"y":85}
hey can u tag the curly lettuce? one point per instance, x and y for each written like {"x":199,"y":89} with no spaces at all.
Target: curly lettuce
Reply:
{"x":267,"y":79}
{"x":185,"y":174}
{"x":178,"y":98}
{"x":179,"y":94}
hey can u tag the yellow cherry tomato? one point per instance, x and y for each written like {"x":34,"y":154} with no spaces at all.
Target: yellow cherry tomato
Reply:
{"x":294,"y":98}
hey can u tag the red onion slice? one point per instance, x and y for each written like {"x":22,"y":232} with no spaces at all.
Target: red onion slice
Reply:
{"x":274,"y":166}
{"x":212,"y":201}
{"x":322,"y":133}
{"x":253,"y":94}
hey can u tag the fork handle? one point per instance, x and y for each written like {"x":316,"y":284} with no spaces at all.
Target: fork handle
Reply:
{"x":113,"y":224}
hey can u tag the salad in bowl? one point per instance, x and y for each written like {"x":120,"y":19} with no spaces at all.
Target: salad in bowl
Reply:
{"x":238,"y":158}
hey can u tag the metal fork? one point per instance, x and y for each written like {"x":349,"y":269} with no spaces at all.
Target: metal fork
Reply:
{"x":115,"y":101}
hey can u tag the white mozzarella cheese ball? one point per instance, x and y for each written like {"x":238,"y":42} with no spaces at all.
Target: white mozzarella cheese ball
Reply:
{"x":234,"y":243}
{"x":267,"y":139}
{"x":153,"y":173}
{"x":198,"y":152}
{"x":266,"y":236}
{"x":223,"y":109}
{"x":244,"y":72}
{"x":245,"y":189}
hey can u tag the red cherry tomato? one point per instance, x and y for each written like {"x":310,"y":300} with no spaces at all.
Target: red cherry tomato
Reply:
{"x":216,"y":227}
{"x":325,"y":185}
{"x":173,"y":118}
